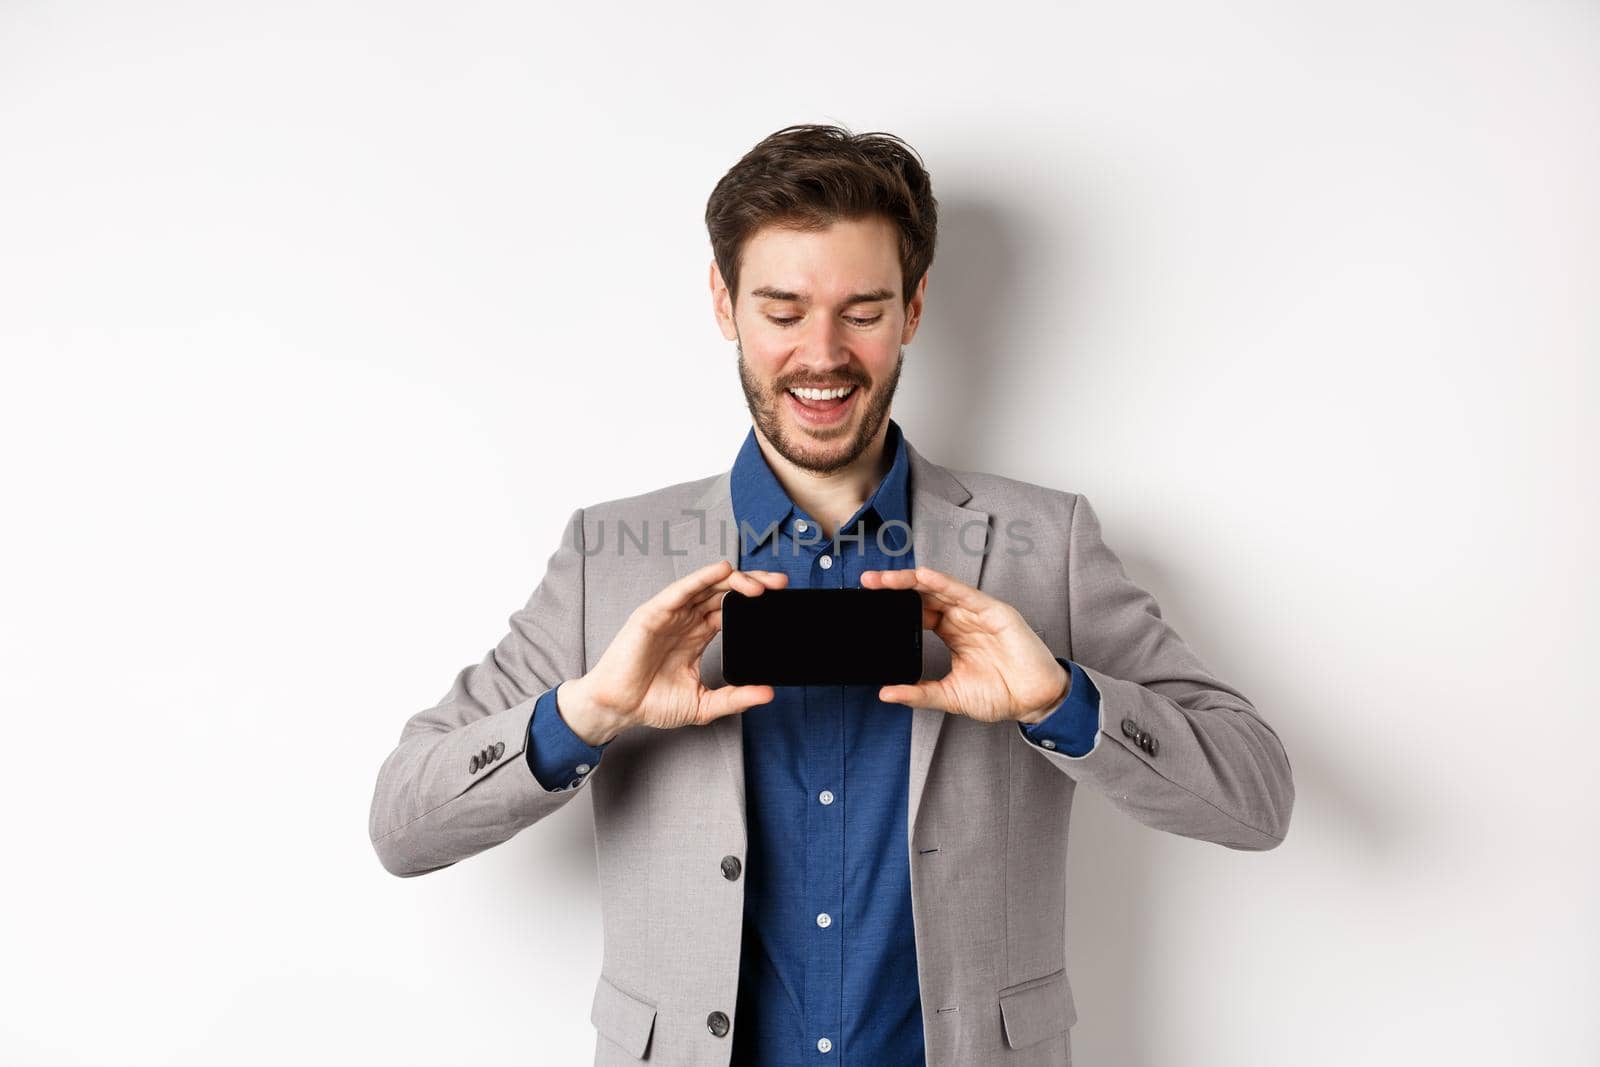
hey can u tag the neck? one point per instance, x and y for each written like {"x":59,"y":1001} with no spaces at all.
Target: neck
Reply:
{"x":831,"y":498}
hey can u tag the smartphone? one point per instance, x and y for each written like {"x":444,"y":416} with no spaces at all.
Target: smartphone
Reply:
{"x":822,"y":637}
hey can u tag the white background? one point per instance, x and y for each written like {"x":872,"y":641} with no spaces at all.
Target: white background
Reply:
{"x":319,"y":319}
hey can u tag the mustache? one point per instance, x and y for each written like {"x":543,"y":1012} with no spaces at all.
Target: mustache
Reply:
{"x":819,"y":385}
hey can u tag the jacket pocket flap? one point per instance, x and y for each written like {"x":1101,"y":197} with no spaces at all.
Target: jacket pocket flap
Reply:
{"x":1034,"y":1010}
{"x":622,"y":1017}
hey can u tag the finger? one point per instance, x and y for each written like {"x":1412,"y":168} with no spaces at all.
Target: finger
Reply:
{"x":746,"y":583}
{"x":947,"y":591}
{"x":772,"y":579}
{"x":951,"y":590}
{"x":692,"y":585}
{"x":885,"y":579}
{"x":931,"y":617}
{"x":926,"y":695}
{"x":758,"y":582}
{"x":904,"y":579}
{"x":734,"y":583}
{"x":750,"y":583}
{"x":940,"y":582}
{"x":699,"y":599}
{"x":732,"y":699}
{"x":740,"y":582}
{"x":763,"y":580}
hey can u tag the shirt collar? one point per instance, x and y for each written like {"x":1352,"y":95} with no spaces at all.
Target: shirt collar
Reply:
{"x":761,"y":503}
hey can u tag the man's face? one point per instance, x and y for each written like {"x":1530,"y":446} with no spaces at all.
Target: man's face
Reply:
{"x":819,"y":309}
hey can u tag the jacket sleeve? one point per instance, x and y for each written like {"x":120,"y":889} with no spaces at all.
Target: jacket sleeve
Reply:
{"x":1176,"y":748}
{"x":458,"y":781}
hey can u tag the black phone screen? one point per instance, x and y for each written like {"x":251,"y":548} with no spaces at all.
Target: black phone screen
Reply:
{"x":822,"y":637}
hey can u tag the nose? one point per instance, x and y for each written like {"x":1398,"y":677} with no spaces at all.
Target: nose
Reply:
{"x":822,"y":349}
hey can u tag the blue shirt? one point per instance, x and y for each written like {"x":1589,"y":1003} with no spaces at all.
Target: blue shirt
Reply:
{"x":828,"y":966}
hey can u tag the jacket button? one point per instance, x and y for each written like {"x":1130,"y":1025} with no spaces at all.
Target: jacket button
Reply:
{"x":717,"y":1023}
{"x":1152,"y":746}
{"x":472,"y":765}
{"x":1129,"y":729}
{"x":730,"y":867}
{"x":499,"y":749}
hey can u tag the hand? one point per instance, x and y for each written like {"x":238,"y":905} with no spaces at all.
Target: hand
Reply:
{"x":650,"y":673}
{"x":999,"y":669}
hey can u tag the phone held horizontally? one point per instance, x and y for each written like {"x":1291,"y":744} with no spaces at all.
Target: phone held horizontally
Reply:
{"x":822,"y":637}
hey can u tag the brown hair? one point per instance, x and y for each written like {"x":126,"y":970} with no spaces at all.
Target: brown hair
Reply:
{"x":809,"y":177}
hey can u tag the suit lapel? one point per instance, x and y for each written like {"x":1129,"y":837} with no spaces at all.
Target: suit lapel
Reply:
{"x":938,"y":520}
{"x":703,"y":538}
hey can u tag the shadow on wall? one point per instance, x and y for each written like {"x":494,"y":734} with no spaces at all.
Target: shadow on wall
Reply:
{"x":959,"y":379}
{"x":970,"y":365}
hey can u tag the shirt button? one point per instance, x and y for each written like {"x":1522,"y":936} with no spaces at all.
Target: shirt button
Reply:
{"x":827,"y":562}
{"x":582,"y":768}
{"x":824,"y":1045}
{"x":1047,"y":743}
{"x":825,"y":796}
{"x":800,"y":524}
{"x":824,"y":920}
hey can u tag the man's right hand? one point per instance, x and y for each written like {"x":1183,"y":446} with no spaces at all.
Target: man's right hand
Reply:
{"x":650,"y":673}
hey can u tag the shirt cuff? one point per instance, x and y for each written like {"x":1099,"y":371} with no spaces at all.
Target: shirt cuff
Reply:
{"x":558,"y":758}
{"x":1073,"y":726}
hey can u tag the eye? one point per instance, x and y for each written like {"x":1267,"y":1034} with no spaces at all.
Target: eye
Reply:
{"x":848,"y":318}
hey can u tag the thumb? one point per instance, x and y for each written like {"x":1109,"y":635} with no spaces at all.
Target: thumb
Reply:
{"x":732,"y":699}
{"x":927,"y":695}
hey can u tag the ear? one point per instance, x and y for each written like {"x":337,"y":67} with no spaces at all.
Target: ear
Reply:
{"x":722,"y":303}
{"x":914,"y":311}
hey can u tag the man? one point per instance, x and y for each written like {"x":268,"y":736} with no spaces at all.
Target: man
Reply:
{"x":831,"y":874}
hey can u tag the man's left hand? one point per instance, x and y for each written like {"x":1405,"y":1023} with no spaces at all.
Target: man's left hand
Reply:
{"x":999,"y":669}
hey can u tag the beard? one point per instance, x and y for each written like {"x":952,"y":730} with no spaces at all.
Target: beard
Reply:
{"x":803,"y":450}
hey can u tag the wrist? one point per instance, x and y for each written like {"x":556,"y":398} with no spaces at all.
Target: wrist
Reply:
{"x":1037,"y":715}
{"x":586,"y":717}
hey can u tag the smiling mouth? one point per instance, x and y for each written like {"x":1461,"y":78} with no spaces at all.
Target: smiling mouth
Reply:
{"x":822,"y":399}
{"x":821,"y":407}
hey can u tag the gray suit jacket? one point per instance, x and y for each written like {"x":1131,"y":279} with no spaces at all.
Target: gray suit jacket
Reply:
{"x":988,"y":811}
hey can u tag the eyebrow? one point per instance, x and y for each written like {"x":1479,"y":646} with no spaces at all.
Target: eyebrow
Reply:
{"x":871,"y":296}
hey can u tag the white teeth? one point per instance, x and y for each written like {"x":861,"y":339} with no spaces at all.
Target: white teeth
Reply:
{"x":823,"y":394}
